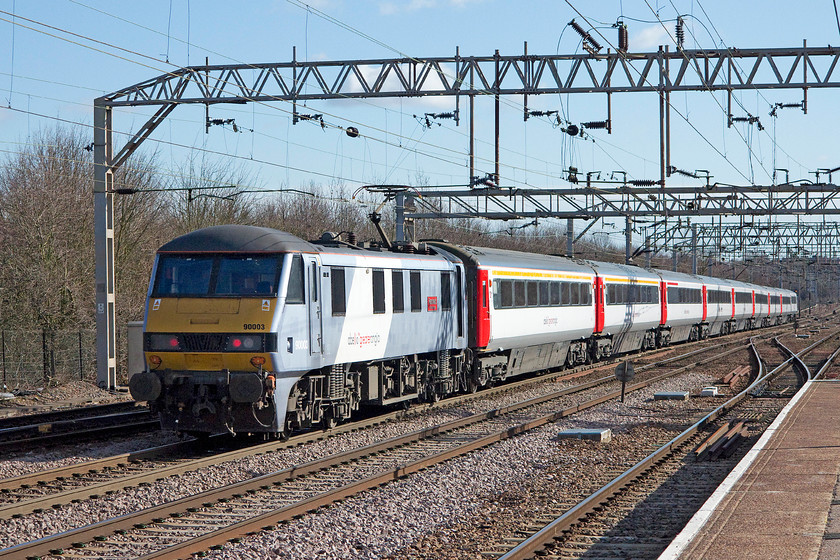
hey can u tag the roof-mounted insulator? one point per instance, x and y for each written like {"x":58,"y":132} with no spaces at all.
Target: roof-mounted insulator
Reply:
{"x":672,"y":170}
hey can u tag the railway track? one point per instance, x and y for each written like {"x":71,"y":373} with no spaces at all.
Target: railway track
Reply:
{"x":51,"y":416}
{"x":60,"y":426}
{"x":52,"y":488}
{"x":624,"y":518}
{"x":222,"y":513}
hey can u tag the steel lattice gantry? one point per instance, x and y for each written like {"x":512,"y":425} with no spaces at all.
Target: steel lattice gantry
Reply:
{"x":747,"y":239}
{"x":661,"y":72}
{"x":610,"y":201}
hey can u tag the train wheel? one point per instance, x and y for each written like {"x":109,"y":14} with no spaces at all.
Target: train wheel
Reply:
{"x":328,"y":420}
{"x":472,"y":385}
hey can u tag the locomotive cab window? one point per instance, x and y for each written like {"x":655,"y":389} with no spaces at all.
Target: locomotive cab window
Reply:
{"x":445,"y":291}
{"x":179,"y":276}
{"x":202,"y":276}
{"x":294,"y":293}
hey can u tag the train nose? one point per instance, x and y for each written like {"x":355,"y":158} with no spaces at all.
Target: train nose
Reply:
{"x":144,"y":386}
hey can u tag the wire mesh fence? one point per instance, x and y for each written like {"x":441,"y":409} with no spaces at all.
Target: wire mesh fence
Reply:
{"x":30,"y":359}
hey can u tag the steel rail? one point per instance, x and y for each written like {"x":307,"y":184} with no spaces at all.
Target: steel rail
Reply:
{"x":220,"y":537}
{"x":177,"y":507}
{"x":69,"y":426}
{"x":102,"y":431}
{"x":826,"y":365}
{"x":803,"y":372}
{"x":51,"y":501}
{"x":61,"y":414}
{"x":538,"y":541}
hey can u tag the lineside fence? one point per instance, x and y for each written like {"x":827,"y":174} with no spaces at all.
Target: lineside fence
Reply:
{"x":31,"y":359}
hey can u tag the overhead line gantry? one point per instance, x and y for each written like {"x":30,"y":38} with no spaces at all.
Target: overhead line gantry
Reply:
{"x":662,"y":72}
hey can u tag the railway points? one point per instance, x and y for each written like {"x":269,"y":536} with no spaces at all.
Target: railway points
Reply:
{"x":787,"y":485}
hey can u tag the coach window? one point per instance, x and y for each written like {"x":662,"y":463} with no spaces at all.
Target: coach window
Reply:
{"x":337,"y":289}
{"x":574,"y":290}
{"x":295,"y":292}
{"x":446,"y":291}
{"x":533,"y":294}
{"x":565,"y":293}
{"x":544,"y":294}
{"x":397,"y":288}
{"x":378,"y":291}
{"x":506,"y":290}
{"x":519,"y":293}
{"x":555,"y":293}
{"x":585,"y":294}
{"x":414,"y":286}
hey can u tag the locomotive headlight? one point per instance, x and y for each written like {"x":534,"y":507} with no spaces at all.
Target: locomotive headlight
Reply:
{"x":244,"y":343}
{"x":164,"y":342}
{"x":155,"y":360}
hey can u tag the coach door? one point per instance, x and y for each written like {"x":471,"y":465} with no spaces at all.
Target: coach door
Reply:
{"x":316,"y":329}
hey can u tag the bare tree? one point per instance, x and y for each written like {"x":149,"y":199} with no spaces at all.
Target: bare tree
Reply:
{"x":46,"y":220}
{"x":208,"y":193}
{"x":47,"y":224}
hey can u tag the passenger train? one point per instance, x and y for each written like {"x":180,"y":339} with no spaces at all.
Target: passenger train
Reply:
{"x":249,"y":329}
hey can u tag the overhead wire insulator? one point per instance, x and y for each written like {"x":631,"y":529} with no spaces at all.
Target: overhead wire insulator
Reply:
{"x":595,"y":124}
{"x":623,"y":38}
{"x":643,"y":182}
{"x":672,"y":170}
{"x":589,"y":43}
{"x":680,"y":33}
{"x":541,"y":113}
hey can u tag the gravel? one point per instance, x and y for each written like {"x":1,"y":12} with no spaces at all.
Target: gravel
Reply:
{"x":452,"y":510}
{"x":68,"y":395}
{"x":390,"y":520}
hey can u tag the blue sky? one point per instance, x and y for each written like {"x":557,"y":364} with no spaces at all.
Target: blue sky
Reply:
{"x":43,"y":78}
